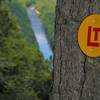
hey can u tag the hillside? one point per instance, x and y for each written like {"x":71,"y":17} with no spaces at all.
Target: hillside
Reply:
{"x":24,"y":74}
{"x":45,"y":9}
{"x":20,"y":12}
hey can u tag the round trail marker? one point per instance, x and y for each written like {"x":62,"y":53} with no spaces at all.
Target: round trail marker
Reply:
{"x":89,"y":36}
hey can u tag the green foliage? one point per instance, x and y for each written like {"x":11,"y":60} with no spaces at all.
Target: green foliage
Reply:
{"x":24,"y":3}
{"x":24,"y":75}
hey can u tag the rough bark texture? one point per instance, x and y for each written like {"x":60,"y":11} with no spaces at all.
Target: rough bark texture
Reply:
{"x":75,"y":77}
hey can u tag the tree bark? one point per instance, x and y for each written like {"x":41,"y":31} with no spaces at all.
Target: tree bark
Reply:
{"x":75,"y":76}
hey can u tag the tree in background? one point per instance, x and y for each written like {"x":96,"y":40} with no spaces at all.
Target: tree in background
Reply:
{"x":23,"y":72}
{"x":76,"y":77}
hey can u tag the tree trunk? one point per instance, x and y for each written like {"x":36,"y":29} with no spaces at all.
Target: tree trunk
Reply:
{"x":75,"y":77}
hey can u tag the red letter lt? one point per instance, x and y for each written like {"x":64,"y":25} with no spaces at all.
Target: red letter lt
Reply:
{"x":96,"y":37}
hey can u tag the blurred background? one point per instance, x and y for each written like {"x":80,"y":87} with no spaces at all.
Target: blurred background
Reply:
{"x":26,"y":49}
